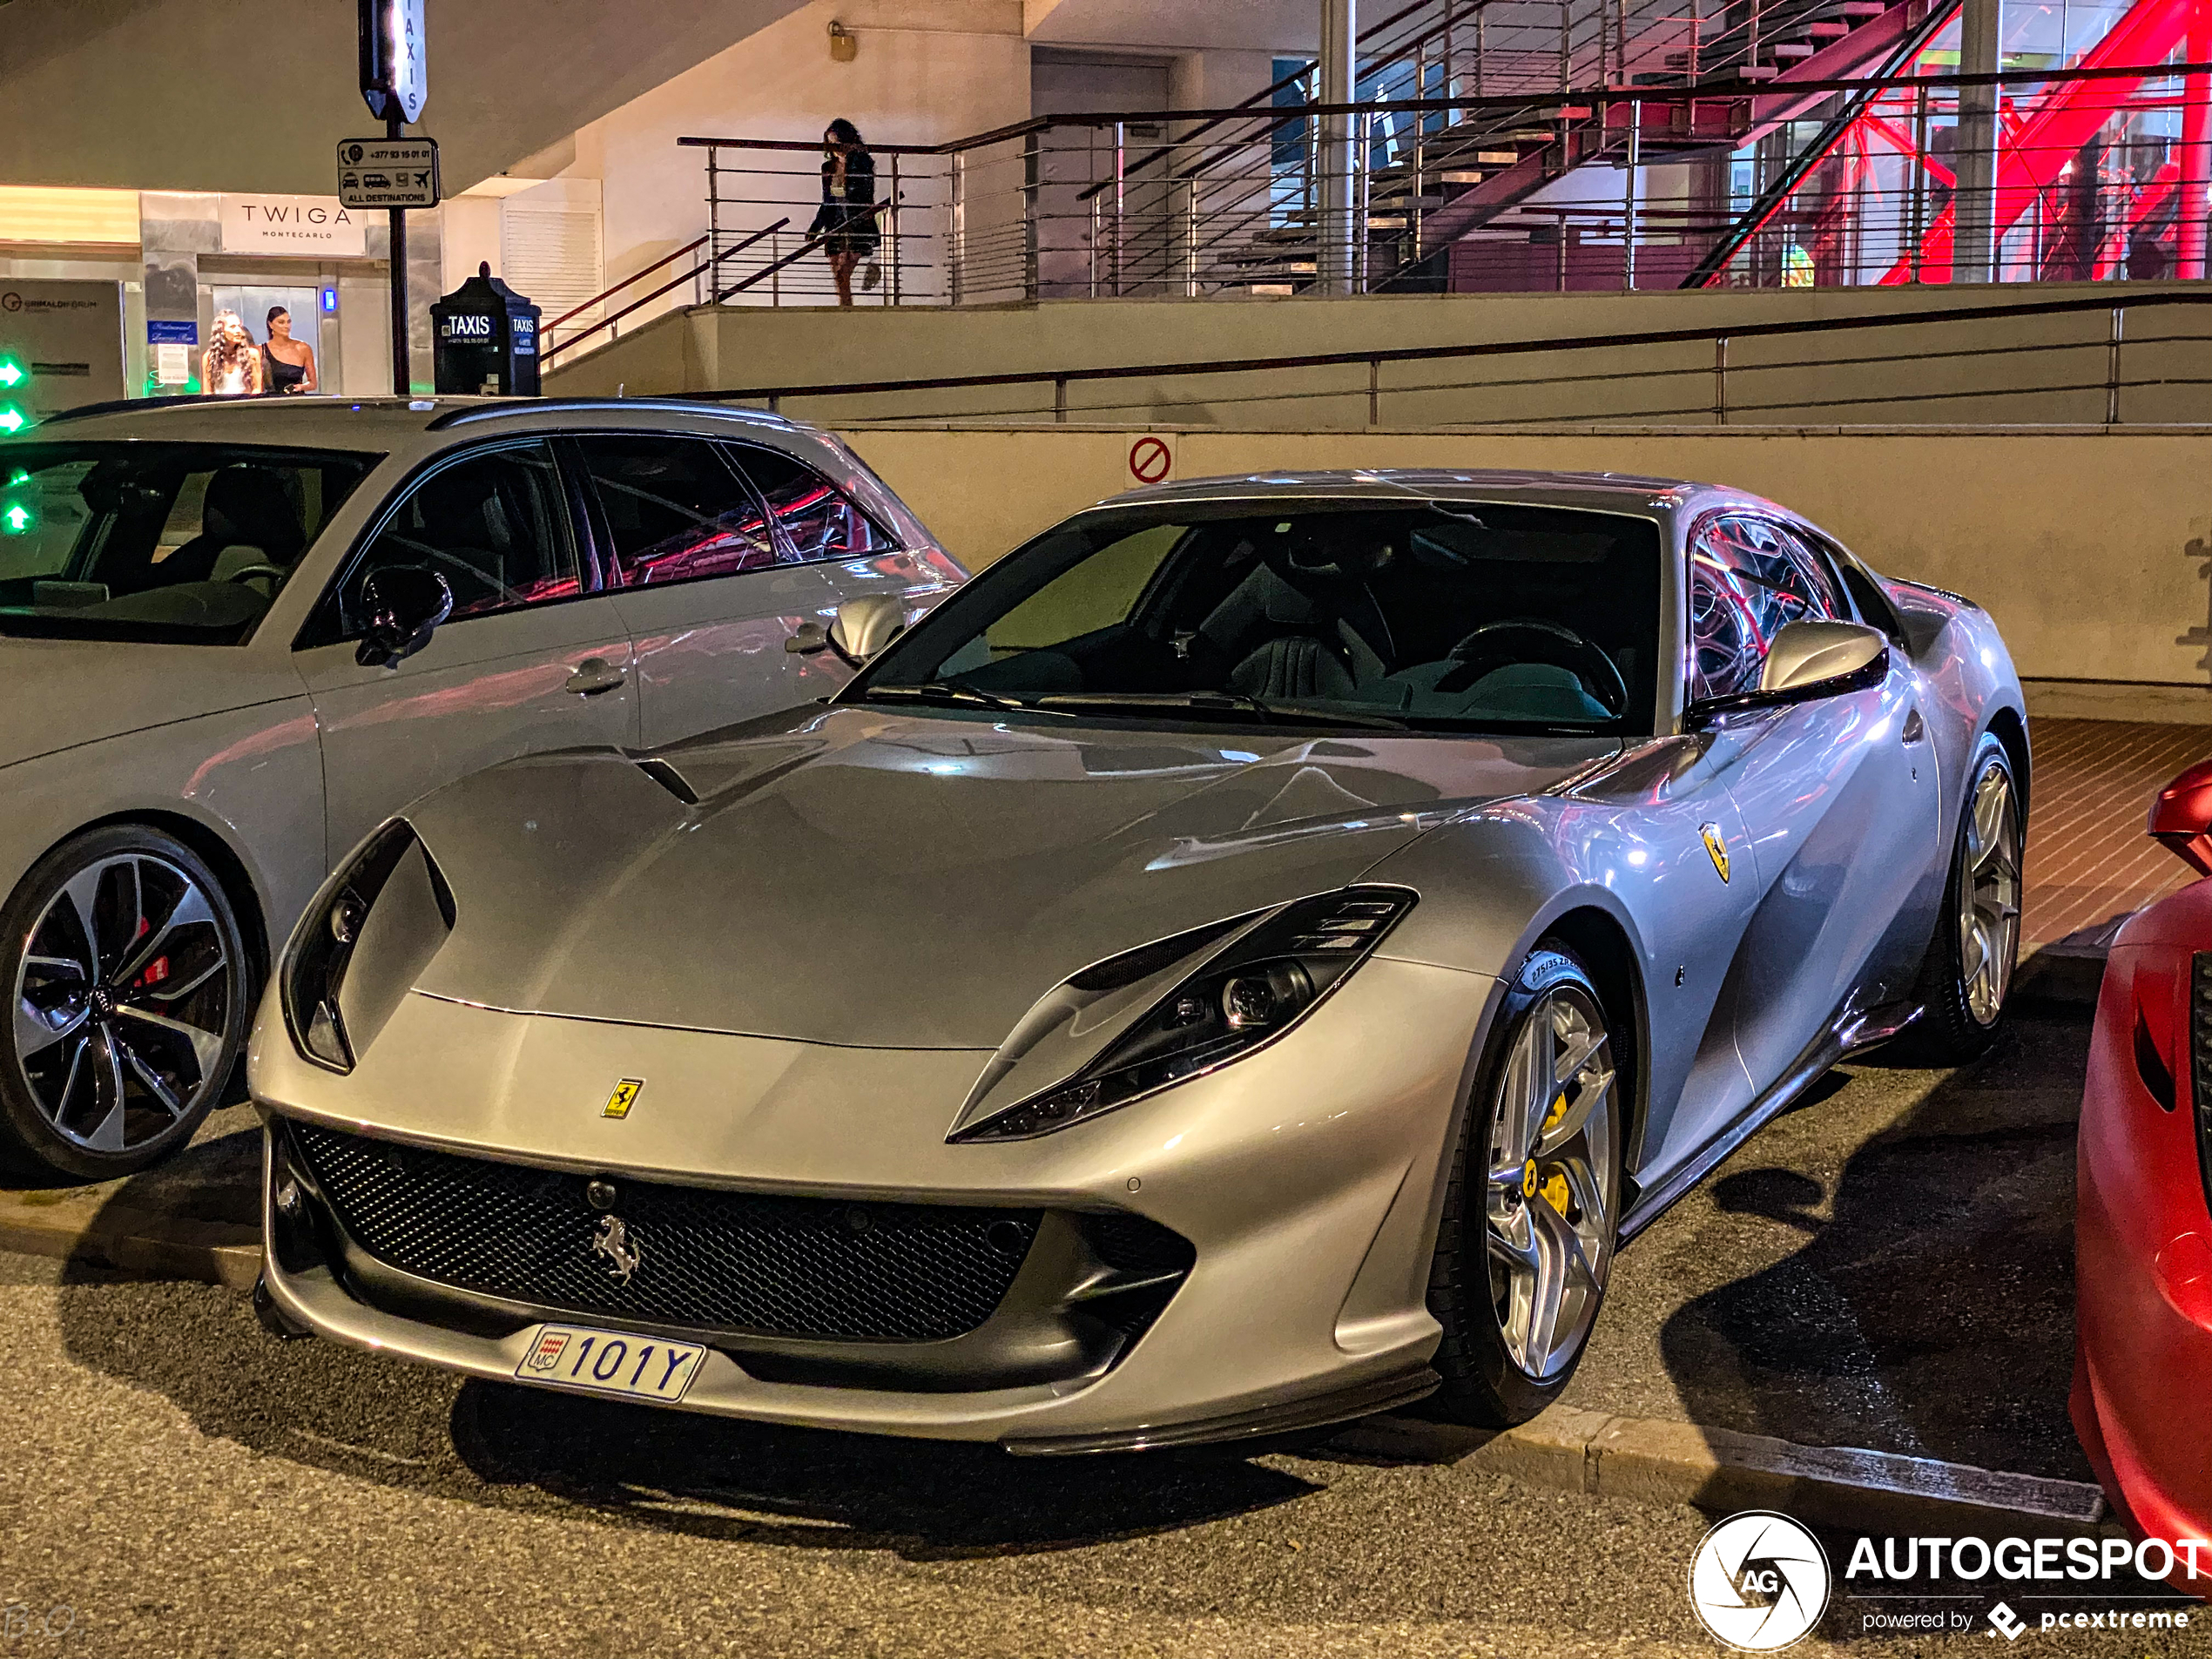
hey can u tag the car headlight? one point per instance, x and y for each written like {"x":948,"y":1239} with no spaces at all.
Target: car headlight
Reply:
{"x":1241,"y":999}
{"x":358,"y":949}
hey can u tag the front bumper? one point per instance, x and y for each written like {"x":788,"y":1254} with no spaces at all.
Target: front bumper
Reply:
{"x":1305,"y":1179}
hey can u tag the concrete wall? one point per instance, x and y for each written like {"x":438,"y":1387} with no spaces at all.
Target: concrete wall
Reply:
{"x":1860,"y":376}
{"x":2092,"y":549}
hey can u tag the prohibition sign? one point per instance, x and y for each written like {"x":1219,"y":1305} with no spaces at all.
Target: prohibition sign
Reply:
{"x":1148,"y":461}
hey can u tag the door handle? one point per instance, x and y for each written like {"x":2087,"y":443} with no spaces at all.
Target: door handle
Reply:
{"x":1915,"y":727}
{"x":594,"y":675}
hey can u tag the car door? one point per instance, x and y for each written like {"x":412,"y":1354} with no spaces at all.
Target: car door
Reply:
{"x":534,"y":657}
{"x":707,"y":588}
{"x":1839,"y":797}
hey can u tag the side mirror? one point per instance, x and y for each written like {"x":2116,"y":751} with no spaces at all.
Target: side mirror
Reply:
{"x":1809,"y":660}
{"x":1822,"y":658}
{"x":2181,"y":818}
{"x":865,"y":626}
{"x":400,"y":609}
{"x":862,"y":627}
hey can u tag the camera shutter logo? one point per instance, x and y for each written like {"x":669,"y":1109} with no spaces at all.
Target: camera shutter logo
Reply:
{"x":1759,"y":1581}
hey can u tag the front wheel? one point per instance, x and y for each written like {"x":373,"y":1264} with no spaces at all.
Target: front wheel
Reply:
{"x":1968,"y":971}
{"x":130,"y":988}
{"x":1531,"y":1210}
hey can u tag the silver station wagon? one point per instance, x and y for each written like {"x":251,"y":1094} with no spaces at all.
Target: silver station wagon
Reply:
{"x":237,"y":635}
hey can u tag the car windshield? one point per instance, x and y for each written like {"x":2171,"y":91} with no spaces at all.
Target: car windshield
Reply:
{"x":173,"y":543}
{"x":1446,"y":616}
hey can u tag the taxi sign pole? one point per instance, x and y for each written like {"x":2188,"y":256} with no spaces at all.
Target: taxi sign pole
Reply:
{"x":402,"y":376}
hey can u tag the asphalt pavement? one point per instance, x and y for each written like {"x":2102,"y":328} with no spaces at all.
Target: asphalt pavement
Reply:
{"x":1888,"y":1266}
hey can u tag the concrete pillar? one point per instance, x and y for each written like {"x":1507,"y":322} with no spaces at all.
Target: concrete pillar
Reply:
{"x":175,"y":227}
{"x":1973,"y":244}
{"x":1335,"y":187}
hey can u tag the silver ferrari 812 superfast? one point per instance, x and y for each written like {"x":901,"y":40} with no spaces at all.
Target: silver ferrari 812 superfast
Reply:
{"x":1247,"y":961}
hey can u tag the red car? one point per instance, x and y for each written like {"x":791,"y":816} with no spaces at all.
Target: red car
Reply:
{"x":2142,"y":1367}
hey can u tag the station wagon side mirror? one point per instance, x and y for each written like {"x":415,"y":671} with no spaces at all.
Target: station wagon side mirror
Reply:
{"x":863,"y":627}
{"x":2181,"y":818}
{"x":400,"y":609}
{"x":1809,"y":660}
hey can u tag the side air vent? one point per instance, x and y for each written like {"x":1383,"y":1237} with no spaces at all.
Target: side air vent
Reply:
{"x":669,"y":778}
{"x":2157,"y":1076}
{"x":2200,"y":1062}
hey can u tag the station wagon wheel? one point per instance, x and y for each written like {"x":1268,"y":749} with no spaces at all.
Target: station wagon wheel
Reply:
{"x":1967,"y":973}
{"x":129,"y":990}
{"x":1533,"y":1210}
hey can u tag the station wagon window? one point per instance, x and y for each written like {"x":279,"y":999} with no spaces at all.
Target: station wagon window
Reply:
{"x":178,"y":542}
{"x":676,"y":509}
{"x":494,"y":524}
{"x":818,"y":520}
{"x":1748,"y":579}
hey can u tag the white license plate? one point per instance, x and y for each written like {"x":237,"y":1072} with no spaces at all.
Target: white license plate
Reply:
{"x":611,"y":1362}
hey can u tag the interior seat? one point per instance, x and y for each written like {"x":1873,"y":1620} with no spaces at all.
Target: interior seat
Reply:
{"x":249,"y":519}
{"x":1320,"y":633}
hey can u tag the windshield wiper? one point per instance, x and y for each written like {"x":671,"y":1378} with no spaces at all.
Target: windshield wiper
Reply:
{"x":945,"y":691}
{"x":1216,"y":702}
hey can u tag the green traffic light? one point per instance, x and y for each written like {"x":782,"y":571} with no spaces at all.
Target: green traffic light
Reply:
{"x":11,"y":418}
{"x":18,"y":477}
{"x":12,"y":372}
{"x":17,"y":519}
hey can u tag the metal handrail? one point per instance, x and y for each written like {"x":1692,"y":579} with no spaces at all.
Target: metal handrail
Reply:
{"x":691,"y":275}
{"x":693,"y":246}
{"x":1061,"y":378}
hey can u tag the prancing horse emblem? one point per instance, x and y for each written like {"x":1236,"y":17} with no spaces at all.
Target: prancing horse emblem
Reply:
{"x":1716,"y":847}
{"x":612,"y":1241}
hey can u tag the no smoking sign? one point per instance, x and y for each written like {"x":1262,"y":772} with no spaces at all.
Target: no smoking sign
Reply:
{"x":1150,"y":460}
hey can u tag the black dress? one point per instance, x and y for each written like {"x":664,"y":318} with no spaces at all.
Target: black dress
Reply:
{"x":846,"y":222}
{"x":278,"y":376}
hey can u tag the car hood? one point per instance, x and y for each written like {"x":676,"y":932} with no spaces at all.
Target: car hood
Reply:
{"x":887,"y":879}
{"x":65,"y":692}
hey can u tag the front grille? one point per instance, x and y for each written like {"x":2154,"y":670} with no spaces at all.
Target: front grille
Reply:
{"x":707,"y":1259}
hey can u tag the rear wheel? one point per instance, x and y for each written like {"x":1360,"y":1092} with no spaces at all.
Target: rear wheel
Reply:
{"x":1967,"y":973}
{"x":1532,"y":1212}
{"x":129,"y":993}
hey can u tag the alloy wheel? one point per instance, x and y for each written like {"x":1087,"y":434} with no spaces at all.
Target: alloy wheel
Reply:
{"x":1989,"y":895}
{"x":122,"y":1003}
{"x":1553,"y":1178}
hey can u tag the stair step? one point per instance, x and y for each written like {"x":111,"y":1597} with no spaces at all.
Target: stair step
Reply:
{"x":1757,"y":72}
{"x":1828,"y":31}
{"x":1464,"y":178}
{"x":1793,"y":49}
{"x":1861,"y":9}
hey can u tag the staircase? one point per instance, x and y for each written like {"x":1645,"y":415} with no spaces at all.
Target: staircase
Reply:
{"x":1431,"y":181}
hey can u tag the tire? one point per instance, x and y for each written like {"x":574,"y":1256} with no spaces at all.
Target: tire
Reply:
{"x":130,"y":997}
{"x":1523,"y":1258}
{"x":1967,"y":973}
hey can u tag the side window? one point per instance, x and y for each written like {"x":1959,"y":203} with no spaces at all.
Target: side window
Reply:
{"x":676,"y":509}
{"x":1748,"y":579}
{"x":818,"y":520}
{"x":494,"y":524}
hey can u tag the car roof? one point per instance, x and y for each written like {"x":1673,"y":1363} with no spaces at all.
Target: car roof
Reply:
{"x":1578,"y":488}
{"x":387,"y":424}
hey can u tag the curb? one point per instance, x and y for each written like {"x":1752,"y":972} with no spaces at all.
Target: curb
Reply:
{"x":1648,"y":1460}
{"x":214,"y":1252}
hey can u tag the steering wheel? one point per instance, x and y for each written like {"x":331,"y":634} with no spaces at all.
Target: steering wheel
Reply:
{"x":277,"y":573}
{"x":1533,"y":639}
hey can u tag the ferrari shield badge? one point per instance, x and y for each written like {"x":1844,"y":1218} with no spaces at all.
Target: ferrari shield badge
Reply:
{"x":629,"y":1088}
{"x":1714,"y":844}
